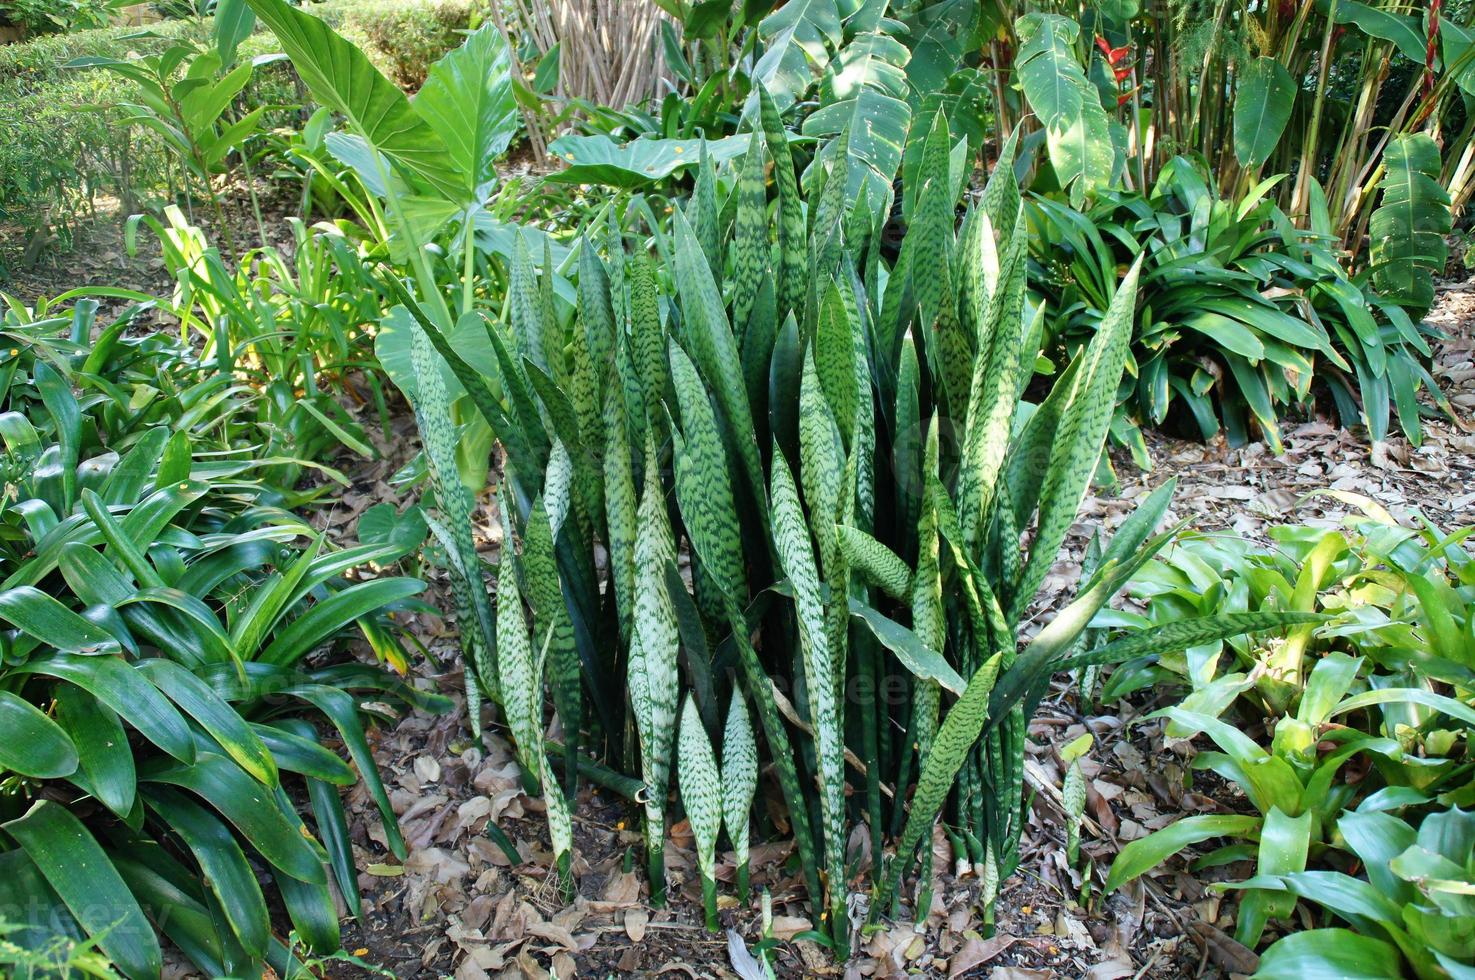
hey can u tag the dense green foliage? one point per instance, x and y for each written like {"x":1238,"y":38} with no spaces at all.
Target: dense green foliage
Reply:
{"x":163,"y":619}
{"x":64,"y":143}
{"x":1242,"y":319}
{"x":786,"y":388}
{"x":1384,"y":682}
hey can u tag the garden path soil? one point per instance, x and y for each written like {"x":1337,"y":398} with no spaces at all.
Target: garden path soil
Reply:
{"x":460,"y":907}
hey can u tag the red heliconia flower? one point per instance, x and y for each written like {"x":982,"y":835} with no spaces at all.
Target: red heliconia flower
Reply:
{"x":1430,"y":53}
{"x":1113,"y":56}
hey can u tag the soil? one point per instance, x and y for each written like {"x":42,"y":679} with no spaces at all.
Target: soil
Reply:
{"x":461,"y":906}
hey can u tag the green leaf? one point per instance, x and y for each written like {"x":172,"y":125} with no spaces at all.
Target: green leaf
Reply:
{"x":1408,"y":228}
{"x":1263,"y":101}
{"x":342,"y":77}
{"x":1142,"y":855}
{"x":950,"y":748}
{"x":1068,"y":105}
{"x":467,"y":100}
{"x":31,"y":743}
{"x":198,"y":700}
{"x":40,"y":616}
{"x":250,"y":807}
{"x":106,"y":758}
{"x":701,"y":785}
{"x":119,"y":686}
{"x":331,"y":615}
{"x":223,"y":866}
{"x":1329,"y":954}
{"x":638,"y":163}
{"x":302,"y":753}
{"x":797,"y":38}
{"x":919,"y":658}
{"x":76,"y":866}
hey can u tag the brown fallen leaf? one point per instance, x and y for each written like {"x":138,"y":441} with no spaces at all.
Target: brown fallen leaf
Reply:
{"x":1224,"y":951}
{"x":635,"y":923}
{"x":977,"y":951}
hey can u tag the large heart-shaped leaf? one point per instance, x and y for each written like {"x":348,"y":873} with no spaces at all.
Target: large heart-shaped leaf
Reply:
{"x":341,"y":77}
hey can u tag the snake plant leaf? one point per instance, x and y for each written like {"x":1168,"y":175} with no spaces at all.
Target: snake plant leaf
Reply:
{"x":433,"y":416}
{"x":703,"y":488}
{"x":790,"y":207}
{"x":998,"y":375}
{"x":821,"y":672}
{"x":619,"y":507}
{"x":1069,"y":107}
{"x":750,"y":246}
{"x":877,"y":562}
{"x":954,"y":740}
{"x":551,"y":619}
{"x":701,"y":793}
{"x":1084,"y":421}
{"x":654,"y":642}
{"x":739,"y":782}
{"x":714,"y":349}
{"x":647,"y":337}
{"x":821,"y":457}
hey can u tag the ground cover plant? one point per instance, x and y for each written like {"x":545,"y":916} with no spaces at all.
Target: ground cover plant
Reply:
{"x":160,"y":611}
{"x":1383,"y":684}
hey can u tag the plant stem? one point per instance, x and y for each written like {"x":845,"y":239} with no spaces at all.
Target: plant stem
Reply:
{"x":709,"y":902}
{"x":655,"y":863}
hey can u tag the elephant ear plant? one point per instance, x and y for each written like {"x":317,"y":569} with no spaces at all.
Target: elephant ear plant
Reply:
{"x":755,"y":457}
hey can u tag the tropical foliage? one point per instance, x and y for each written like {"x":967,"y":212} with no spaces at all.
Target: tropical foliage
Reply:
{"x":780,"y":396}
{"x":1383,"y":682}
{"x":162,"y":619}
{"x":1242,"y":317}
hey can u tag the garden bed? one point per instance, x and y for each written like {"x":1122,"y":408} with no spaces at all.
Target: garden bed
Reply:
{"x":461,"y":907}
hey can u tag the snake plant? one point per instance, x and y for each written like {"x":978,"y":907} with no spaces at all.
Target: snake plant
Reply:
{"x":780,"y":464}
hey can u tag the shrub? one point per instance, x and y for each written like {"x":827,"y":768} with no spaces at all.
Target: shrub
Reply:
{"x":405,"y":39}
{"x":163,"y":624}
{"x":1384,"y":682}
{"x":1241,"y":318}
{"x":59,"y":154}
